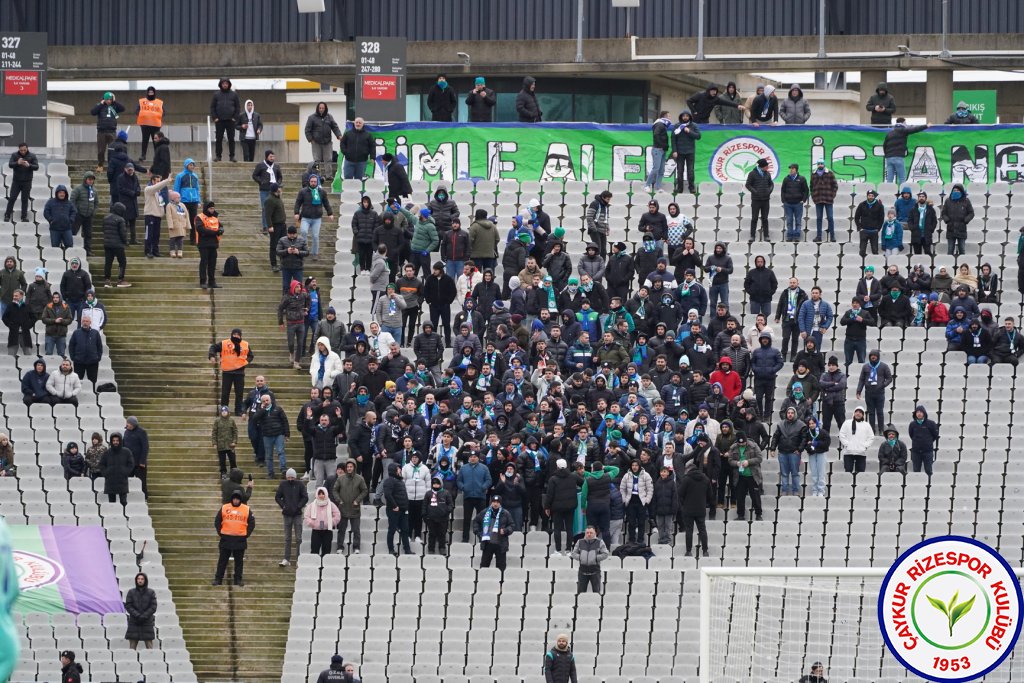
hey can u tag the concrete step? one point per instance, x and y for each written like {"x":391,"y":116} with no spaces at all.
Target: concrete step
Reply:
{"x":159,"y":333}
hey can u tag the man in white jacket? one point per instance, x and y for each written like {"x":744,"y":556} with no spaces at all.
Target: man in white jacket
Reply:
{"x":856,"y":436}
{"x":416,"y":478}
{"x":64,"y":384}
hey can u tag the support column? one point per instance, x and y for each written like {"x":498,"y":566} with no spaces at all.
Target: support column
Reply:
{"x":938,"y":95}
{"x":868,"y":81}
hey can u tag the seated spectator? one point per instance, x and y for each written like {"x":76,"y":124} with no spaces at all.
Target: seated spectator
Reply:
{"x":1007,"y":344}
{"x":895,"y":309}
{"x":73,"y":462}
{"x":938,"y":312}
{"x":7,"y":468}
{"x":988,"y":285}
{"x":892,"y":454}
{"x":33,"y":384}
{"x":919,"y":280}
{"x":942,"y":284}
{"x":64,"y":385}
{"x":976,"y":342}
{"x":965,"y":278}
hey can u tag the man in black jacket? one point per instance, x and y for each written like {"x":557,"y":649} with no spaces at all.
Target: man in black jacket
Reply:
{"x":25,"y":165}
{"x":429,"y":347}
{"x":85,"y":349}
{"x":106,"y":112}
{"x":356,"y":149}
{"x":291,"y":497}
{"x":396,"y":502}
{"x":760,"y":186}
{"x":703,"y":103}
{"x":360,"y":444}
{"x":234,"y":523}
{"x":161,"y":165}
{"x":481,"y":101}
{"x":527,"y":108}
{"x":398,"y":179}
{"x":787,"y":313}
{"x":794,"y":195}
{"x":894,"y":147}
{"x":136,"y":439}
{"x":273,"y":425}
{"x":225,"y":108}
{"x":266,"y":174}
{"x":560,"y":503}
{"x":441,"y":100}
{"x":493,"y":525}
{"x":869,"y":217}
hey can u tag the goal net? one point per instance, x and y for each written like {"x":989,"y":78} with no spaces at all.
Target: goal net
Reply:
{"x":760,"y":624}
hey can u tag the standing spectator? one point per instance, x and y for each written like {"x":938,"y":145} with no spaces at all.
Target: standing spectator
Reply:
{"x":161,"y":156}
{"x":824,"y":188}
{"x":765,"y":107}
{"x":208,"y":233}
{"x":869,"y":217}
{"x":659,"y":150}
{"x":483,"y":243}
{"x":234,"y":523}
{"x":12,"y":279}
{"x":86,"y":349}
{"x":19,"y":320}
{"x":388,"y":312}
{"x":794,"y":195}
{"x":760,"y":186}
{"x":140,"y":604}
{"x":235,"y":354}
{"x":178,"y":221}
{"x":745,"y":459}
{"x":292,"y":253}
{"x":439,"y":293}
{"x":266,"y":174}
{"x":637,"y":490}
{"x":816,"y":443}
{"x":719,"y":267}
{"x":410,"y":288}
{"x":454,"y":247}
{"x":924,"y":434}
{"x":250,"y":126}
{"x":560,"y":503}
{"x":589,"y":552}
{"x":694,"y":493}
{"x":760,"y":284}
{"x":156,"y":200}
{"x":480,"y":101}
{"x":875,"y":377}
{"x":136,"y":440}
{"x":25,"y":165}
{"x":106,"y":113}
{"x":364,"y":223}
{"x":225,"y":108}
{"x":321,"y":516}
{"x":398,"y":179}
{"x":116,"y":465}
{"x":766,"y":363}
{"x":664,"y":504}
{"x":684,"y":149}
{"x":595,"y":496}
{"x":730,"y":113}
{"x":150,"y":118}
{"x":272,"y":424}
{"x":396,"y":501}
{"x":559,"y":662}
{"x":892,"y":234}
{"x":291,"y":316}
{"x":815,"y":317}
{"x":619,"y":272}
{"x":922,"y":221}
{"x":224,"y":437}
{"x":703,"y":103}
{"x":186,"y":184}
{"x":787,"y":313}
{"x":882,"y":106}
{"x":437,"y":508}
{"x":961,"y":116}
{"x":86,"y":201}
{"x":786,"y":443}
{"x":527,"y":108}
{"x":473,"y":481}
{"x":892,"y":453}
{"x":493,"y":526}
{"x":795,"y":109}
{"x":38,"y":295}
{"x":60,"y":214}
{"x":957,"y":213}
{"x":832,"y":384}
{"x":127,"y":193}
{"x":57,"y":316}
{"x":894,"y":146}
{"x":441,"y":100}
{"x":357,"y":147}
{"x":855,"y":436}
{"x":350,"y":490}
{"x":320,"y":125}
{"x":416,"y":478}
{"x":70,"y":671}
{"x":597,"y":218}
{"x":310,"y":205}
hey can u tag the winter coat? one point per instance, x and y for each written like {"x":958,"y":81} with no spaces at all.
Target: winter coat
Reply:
{"x":665,"y":500}
{"x":305,"y":207}
{"x":892,"y":458}
{"x":224,"y":433}
{"x":761,"y":284}
{"x":560,"y":495}
{"x":527,"y":108}
{"x":442,"y":210}
{"x":161,"y":165}
{"x":895,"y":142}
{"x":869,"y":217}
{"x":357,"y":146}
{"x":794,"y":190}
{"x":264,"y":174}
{"x":760,"y":184}
{"x":398,"y":180}
{"x":425,"y":238}
{"x":442,"y":103}
{"x":957,"y":214}
{"x":364,"y":223}
{"x":85,"y":346}
{"x":766,"y":362}
{"x":349,"y":492}
{"x":454,"y":246}
{"x":833,"y":387}
{"x":684,"y":138}
{"x":63,"y":385}
{"x":896,"y":310}
{"x":514,"y":258}
{"x":788,"y":436}
{"x":816,"y":443}
{"x":594,"y":266}
{"x":60,"y":212}
{"x":186,"y":184}
{"x":332,"y":364}
{"x":106,"y":115}
{"x":438,"y":505}
{"x":85,"y":198}
{"x":722,"y":263}
{"x":272,"y":422}
{"x":225,"y":104}
{"x":481,"y":105}
{"x":645,"y":486}
{"x":589,"y":554}
{"x":484,"y":239}
{"x":923,"y":435}
{"x":50,"y":315}
{"x":115,"y":229}
{"x":806,"y":316}
{"x":473,"y":480}
{"x":795,"y":111}
{"x":824,"y":187}
{"x":140,"y":604}
{"x":752,"y":454}
{"x":856,"y":442}
{"x":703,"y":103}
{"x":886,"y":100}
{"x":729,"y":114}
{"x":694,"y":487}
{"x":116,"y":465}
{"x":319,"y":127}
{"x":559,"y":666}
{"x":127,"y":193}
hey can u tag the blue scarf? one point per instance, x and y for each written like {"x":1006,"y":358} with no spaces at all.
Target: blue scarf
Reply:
{"x":491,"y":515}
{"x":873,"y":371}
{"x":320,"y":372}
{"x":535,"y":455}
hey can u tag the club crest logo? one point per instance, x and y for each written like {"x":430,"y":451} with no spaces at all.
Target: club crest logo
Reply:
{"x":736,"y":158}
{"x":35,"y":571}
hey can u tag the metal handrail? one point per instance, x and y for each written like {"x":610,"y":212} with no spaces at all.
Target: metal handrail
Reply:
{"x":209,"y":159}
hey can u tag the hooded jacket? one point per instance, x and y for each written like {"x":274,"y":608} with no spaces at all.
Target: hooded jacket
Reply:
{"x":85,"y":198}
{"x":293,"y":306}
{"x":856,"y":437}
{"x":331,"y":364}
{"x":895,"y":142}
{"x":685,"y":136}
{"x":186,"y":184}
{"x":795,"y":109}
{"x":442,"y":102}
{"x":484,"y":239}
{"x":883,"y":375}
{"x":225,"y":104}
{"x":765,"y":107}
{"x":923,"y":434}
{"x":443,"y":209}
{"x":253,"y":119}
{"x":161,"y":165}
{"x":721,"y":262}
{"x":892,"y":457}
{"x":957,"y":213}
{"x":319,"y":127}
{"x":882,"y":97}
{"x":364,"y":222}
{"x":527,"y":108}
{"x":560,"y":494}
{"x":116,"y":465}
{"x":60,"y":212}
{"x":395,"y":495}
{"x":140,"y":603}
{"x":115,"y":228}
{"x":703,"y":103}
{"x":437,"y":503}
{"x":729,"y":115}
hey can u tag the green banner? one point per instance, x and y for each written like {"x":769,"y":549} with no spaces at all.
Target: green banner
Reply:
{"x":580,"y":151}
{"x":981,"y":103}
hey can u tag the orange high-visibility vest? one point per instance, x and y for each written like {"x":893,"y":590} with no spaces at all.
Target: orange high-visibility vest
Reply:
{"x":234,"y":521}
{"x":151,"y":112}
{"x":211,"y":223}
{"x":228,"y":360}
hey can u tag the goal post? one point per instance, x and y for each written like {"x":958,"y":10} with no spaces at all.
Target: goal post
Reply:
{"x":772,"y":624}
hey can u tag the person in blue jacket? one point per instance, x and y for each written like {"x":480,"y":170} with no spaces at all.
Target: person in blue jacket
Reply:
{"x":186,"y":184}
{"x":815,"y":317}
{"x":60,"y":212}
{"x":473,"y":480}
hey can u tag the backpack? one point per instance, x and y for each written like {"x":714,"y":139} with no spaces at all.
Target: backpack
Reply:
{"x":231,"y":267}
{"x":106,"y":387}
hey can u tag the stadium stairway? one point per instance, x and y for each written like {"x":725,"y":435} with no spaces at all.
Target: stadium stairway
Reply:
{"x":159,"y":333}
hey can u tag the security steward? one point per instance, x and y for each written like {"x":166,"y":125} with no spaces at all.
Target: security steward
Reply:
{"x":234,"y":354}
{"x":208,"y":234}
{"x":150,"y":117}
{"x":235,"y":524}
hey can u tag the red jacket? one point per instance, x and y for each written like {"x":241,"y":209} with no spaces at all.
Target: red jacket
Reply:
{"x":732,"y":383}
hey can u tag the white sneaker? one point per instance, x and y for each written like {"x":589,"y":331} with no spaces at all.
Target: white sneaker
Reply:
{"x":647,"y":188}
{"x":356,"y":551}
{"x":283,"y":563}
{"x":305,"y":477}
